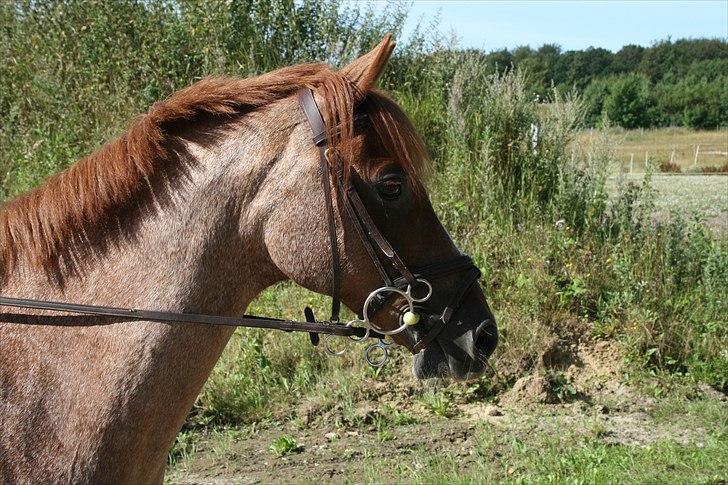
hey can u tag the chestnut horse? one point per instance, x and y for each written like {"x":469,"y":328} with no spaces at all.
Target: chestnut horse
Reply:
{"x":210,"y":197}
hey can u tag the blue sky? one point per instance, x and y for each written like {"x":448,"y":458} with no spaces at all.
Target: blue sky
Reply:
{"x":573,"y":24}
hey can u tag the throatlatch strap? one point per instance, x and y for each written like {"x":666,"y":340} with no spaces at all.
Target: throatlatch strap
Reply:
{"x":316,"y":121}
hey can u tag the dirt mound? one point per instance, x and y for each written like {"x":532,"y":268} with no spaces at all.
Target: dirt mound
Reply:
{"x":568,"y":371}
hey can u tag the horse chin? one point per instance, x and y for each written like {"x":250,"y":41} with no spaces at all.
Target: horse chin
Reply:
{"x":433,"y":363}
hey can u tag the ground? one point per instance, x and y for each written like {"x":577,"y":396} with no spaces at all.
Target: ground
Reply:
{"x":582,"y":420}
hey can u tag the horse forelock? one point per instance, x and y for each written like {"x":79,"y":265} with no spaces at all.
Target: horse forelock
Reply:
{"x":92,"y":201}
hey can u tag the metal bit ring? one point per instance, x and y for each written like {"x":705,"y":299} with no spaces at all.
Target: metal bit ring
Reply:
{"x":327,"y":345}
{"x":424,"y":298}
{"x":387,"y":289}
{"x":378,"y":346}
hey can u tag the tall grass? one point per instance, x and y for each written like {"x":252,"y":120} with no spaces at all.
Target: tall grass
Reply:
{"x":560,"y":259}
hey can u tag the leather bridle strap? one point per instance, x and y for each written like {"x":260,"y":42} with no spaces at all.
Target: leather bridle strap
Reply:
{"x":170,"y":317}
{"x":375,"y":235}
{"x":438,"y":270}
{"x":442,"y":320}
{"x":319,"y":129}
{"x":365,"y":226}
{"x":362,"y":233}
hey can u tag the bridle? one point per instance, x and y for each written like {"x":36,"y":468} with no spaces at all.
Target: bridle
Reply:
{"x":380,"y":251}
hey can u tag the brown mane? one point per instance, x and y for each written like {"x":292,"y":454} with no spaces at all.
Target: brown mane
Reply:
{"x":89,"y":203}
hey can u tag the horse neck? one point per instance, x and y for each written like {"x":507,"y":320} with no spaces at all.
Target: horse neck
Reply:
{"x":202,"y":253}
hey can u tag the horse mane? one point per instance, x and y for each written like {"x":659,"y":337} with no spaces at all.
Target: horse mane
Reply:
{"x":89,"y":204}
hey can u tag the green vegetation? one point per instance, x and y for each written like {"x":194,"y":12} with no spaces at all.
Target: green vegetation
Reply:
{"x":566,"y":457}
{"x":438,"y":403}
{"x":565,"y":257}
{"x":561,"y":386}
{"x":183,"y":447}
{"x":284,"y":445}
{"x":680,"y":83}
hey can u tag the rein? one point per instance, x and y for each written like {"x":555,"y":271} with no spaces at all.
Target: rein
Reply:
{"x":250,"y":321}
{"x":377,"y":247}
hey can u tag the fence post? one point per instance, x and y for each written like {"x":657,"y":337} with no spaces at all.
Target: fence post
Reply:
{"x":631,"y":163}
{"x":697,"y":152}
{"x":672,"y":156}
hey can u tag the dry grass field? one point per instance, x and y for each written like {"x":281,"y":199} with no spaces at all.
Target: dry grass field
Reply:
{"x":678,"y":145}
{"x":705,"y":196}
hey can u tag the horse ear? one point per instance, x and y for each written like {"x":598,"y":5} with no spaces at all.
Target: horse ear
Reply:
{"x":364,"y":71}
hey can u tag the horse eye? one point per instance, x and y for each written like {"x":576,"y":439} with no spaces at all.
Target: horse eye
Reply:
{"x":390,"y":189}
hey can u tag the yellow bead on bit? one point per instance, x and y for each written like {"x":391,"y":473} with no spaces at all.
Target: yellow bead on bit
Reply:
{"x":411,"y":318}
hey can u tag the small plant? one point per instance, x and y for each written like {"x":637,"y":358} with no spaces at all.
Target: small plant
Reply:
{"x":384,"y":436}
{"x":395,"y":416}
{"x":561,"y":386}
{"x":573,"y":290}
{"x":402,"y":418}
{"x":438,"y":403}
{"x":598,"y":429}
{"x":184,"y":446}
{"x":284,"y":446}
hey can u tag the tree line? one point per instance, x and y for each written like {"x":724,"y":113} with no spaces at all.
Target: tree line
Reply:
{"x":671,"y":83}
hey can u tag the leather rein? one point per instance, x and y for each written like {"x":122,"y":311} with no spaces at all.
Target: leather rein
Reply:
{"x":376,"y":246}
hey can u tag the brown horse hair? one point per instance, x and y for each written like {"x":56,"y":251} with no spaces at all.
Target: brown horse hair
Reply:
{"x":89,"y":201}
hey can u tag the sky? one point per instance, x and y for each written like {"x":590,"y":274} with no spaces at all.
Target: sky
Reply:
{"x":575,"y":24}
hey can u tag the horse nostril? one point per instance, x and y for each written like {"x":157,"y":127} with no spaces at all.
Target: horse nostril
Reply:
{"x":486,"y":337}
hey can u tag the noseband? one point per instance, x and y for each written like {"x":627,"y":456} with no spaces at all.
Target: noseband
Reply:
{"x":409,"y":284}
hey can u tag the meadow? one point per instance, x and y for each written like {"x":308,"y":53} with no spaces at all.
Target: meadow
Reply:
{"x":647,"y":149}
{"x":611,"y":304}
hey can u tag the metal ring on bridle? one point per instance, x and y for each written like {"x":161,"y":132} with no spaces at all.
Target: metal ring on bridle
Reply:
{"x":327,"y":345}
{"x":387,"y":289}
{"x":385,"y":354}
{"x":365,"y":324}
{"x":424,"y":298}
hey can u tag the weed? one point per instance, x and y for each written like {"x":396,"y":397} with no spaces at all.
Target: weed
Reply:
{"x":183,"y":446}
{"x":396,"y":417}
{"x":561,"y":386}
{"x":384,"y":436}
{"x":597,"y":428}
{"x":285,"y":445}
{"x":438,"y":403}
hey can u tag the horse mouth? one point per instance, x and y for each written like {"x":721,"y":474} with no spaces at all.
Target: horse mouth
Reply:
{"x":434,"y":362}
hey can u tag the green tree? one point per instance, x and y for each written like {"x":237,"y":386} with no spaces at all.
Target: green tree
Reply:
{"x":627,"y":59}
{"x":593,"y":99}
{"x":628,"y":101}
